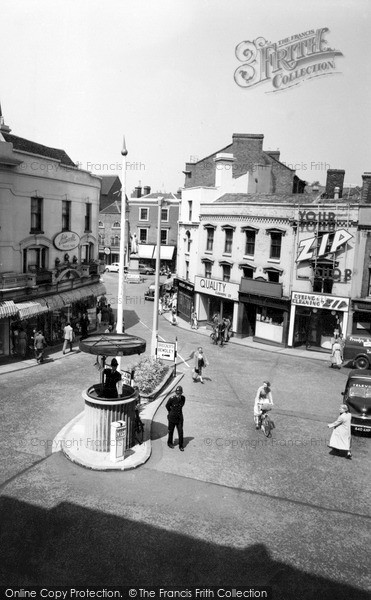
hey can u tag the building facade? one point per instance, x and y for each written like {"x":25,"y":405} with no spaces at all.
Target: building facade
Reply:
{"x":143,"y":219}
{"x":49,"y":271}
{"x":282,"y":266}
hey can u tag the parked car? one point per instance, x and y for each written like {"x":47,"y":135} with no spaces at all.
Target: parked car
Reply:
{"x":114,"y":268}
{"x":357,"y":349}
{"x":145,"y":269}
{"x":150,"y":293}
{"x":357,"y":396}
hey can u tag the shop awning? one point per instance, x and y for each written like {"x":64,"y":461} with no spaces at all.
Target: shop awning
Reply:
{"x":70,"y":296}
{"x":28,"y":309}
{"x":54,"y":302}
{"x":145,"y":250}
{"x":95,"y":290}
{"x":166,"y":252}
{"x":7,"y":309}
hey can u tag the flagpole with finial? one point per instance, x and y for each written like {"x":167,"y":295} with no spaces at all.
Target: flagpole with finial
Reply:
{"x":120,"y":295}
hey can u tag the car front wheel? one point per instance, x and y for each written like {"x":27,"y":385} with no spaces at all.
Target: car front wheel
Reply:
{"x":361,"y":362}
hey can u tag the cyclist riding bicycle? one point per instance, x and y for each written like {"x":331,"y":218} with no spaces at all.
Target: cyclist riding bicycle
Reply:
{"x":263,"y":396}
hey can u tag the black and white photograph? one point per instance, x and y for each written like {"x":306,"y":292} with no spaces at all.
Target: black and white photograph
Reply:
{"x":185,"y":299}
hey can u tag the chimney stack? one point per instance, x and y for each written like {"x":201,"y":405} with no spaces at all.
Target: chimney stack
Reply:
{"x":146,"y":190}
{"x":335,"y":178}
{"x":138,"y":192}
{"x":366,"y":188}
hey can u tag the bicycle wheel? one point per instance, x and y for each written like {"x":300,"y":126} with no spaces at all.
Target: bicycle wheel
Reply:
{"x":267,"y":426}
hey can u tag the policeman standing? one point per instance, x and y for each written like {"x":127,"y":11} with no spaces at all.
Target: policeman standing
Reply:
{"x":174,"y":408}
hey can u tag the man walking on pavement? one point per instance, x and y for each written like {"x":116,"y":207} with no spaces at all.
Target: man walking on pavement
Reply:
{"x":174,"y":408}
{"x":68,"y":337}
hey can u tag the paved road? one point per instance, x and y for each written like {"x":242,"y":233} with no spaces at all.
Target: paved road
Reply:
{"x":233,"y":509}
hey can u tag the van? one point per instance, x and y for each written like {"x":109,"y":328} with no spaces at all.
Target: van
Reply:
{"x":357,"y":349}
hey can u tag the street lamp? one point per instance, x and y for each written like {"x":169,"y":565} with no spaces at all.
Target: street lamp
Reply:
{"x":157,"y":280}
{"x":120,"y":294}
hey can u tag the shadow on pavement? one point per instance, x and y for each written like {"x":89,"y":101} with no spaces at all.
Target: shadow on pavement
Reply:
{"x":72,"y":545}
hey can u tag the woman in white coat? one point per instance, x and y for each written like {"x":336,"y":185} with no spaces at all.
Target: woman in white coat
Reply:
{"x":340,"y":440}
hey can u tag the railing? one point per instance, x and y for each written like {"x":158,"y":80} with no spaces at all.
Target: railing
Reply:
{"x":13,"y":280}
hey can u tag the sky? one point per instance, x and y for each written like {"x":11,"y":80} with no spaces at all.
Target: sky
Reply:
{"x":81,"y":74}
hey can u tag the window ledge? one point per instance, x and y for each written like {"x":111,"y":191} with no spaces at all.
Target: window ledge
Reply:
{"x":249,"y":256}
{"x":274,"y":260}
{"x":227,"y":253}
{"x":36,"y":231}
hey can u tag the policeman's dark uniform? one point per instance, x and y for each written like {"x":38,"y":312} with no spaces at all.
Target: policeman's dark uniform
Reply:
{"x":111,"y":377}
{"x":174,"y":407}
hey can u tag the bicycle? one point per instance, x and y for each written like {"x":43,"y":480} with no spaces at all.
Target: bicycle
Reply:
{"x":265,"y":422}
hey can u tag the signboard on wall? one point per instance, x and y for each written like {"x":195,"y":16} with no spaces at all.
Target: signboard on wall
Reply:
{"x":66,"y":240}
{"x":216,"y":287}
{"x":320,"y":301}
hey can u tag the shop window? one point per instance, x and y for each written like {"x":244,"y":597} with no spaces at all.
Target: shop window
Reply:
{"x":226,"y":272}
{"x":228,"y":241}
{"x":66,"y":215}
{"x":36,"y":215}
{"x":35,"y":259}
{"x":189,"y":210}
{"x":164,"y":234}
{"x":276,"y":242}
{"x":187,"y":269}
{"x":87,"y":217}
{"x":143,"y":214}
{"x":208,"y":267}
{"x":164,"y":214}
{"x":210,"y":239}
{"x":143,"y":236}
{"x":250,"y":242}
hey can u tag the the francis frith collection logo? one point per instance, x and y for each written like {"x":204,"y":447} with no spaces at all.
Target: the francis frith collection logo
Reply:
{"x":285,"y":63}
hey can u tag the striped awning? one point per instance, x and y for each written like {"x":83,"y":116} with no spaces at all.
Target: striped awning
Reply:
{"x":7,"y":309}
{"x":28,"y":309}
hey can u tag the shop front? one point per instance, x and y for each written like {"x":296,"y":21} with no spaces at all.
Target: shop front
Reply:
{"x":316,"y":319}
{"x":263,"y":312}
{"x":361,"y":321}
{"x":213,"y":296}
{"x":49,"y":314}
{"x":185,"y":298}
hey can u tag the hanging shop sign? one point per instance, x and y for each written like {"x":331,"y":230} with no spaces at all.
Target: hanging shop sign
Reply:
{"x":66,"y":240}
{"x":320,"y":301}
{"x":327,"y":245}
{"x":215,"y":287}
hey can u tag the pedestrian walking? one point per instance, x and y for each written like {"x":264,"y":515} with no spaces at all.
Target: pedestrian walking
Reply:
{"x":174,"y":407}
{"x":342,"y":346}
{"x":84,"y":325}
{"x":173,"y":316}
{"x":39,"y":345}
{"x":200,"y":363}
{"x":22,"y":343}
{"x":227,"y":325}
{"x":336,"y":355}
{"x":194,"y":320}
{"x":160,"y":306}
{"x":111,"y":316}
{"x":68,"y":337}
{"x":340,"y":440}
{"x":105,"y":314}
{"x":263,"y":396}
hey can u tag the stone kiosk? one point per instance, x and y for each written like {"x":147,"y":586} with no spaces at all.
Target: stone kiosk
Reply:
{"x":100,"y":412}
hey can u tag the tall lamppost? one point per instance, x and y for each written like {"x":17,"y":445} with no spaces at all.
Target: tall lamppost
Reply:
{"x":157,"y":280}
{"x":120,"y":294}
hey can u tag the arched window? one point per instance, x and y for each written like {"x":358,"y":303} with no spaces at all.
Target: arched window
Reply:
{"x":100,"y":224}
{"x":35,"y":258}
{"x":116,"y":225}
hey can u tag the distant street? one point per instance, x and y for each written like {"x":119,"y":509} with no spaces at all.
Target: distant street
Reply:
{"x":235,"y":508}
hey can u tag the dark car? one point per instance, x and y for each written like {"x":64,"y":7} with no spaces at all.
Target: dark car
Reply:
{"x":357,"y":349}
{"x":145,"y":269}
{"x":357,"y":396}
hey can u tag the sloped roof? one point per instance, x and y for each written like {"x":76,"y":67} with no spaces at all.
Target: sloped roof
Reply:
{"x":267,"y":198}
{"x":112,"y":209}
{"x":155,"y":195}
{"x":107,"y":183}
{"x":33,"y":148}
